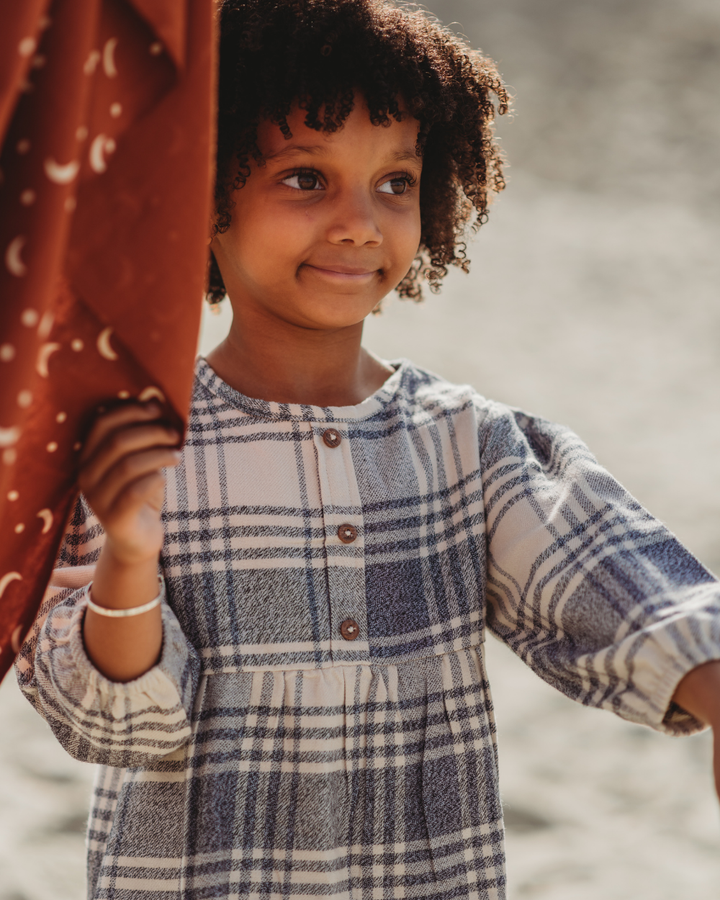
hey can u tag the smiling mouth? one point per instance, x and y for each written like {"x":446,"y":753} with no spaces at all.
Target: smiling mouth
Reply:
{"x":343,"y":273}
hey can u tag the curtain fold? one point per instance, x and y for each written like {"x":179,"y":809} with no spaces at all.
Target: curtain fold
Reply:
{"x":107,"y":129}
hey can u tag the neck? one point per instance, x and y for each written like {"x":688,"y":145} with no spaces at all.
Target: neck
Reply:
{"x":298,"y":365}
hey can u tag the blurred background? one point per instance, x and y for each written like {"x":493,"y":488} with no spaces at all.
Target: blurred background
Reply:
{"x":593,"y":300}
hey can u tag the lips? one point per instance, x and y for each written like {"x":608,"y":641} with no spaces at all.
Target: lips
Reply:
{"x":338,"y":269}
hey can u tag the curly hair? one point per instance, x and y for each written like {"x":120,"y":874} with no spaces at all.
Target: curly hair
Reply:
{"x":319,"y":53}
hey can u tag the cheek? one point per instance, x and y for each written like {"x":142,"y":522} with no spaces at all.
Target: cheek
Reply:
{"x":409,"y":235}
{"x":276,"y":231}
{"x":256,"y":238}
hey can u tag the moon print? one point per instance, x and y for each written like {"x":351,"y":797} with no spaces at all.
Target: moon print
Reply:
{"x":9,"y":436}
{"x":91,"y":62}
{"x":97,"y":154}
{"x":6,"y":579}
{"x":14,"y":263}
{"x":104,"y":346}
{"x":109,"y":57}
{"x":16,"y":639}
{"x":44,"y":354}
{"x":151,"y":391}
{"x":47,"y":518}
{"x":61,"y":174}
{"x":46,"y":324}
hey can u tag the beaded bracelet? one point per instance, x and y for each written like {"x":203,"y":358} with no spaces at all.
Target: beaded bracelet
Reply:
{"x":125,"y":613}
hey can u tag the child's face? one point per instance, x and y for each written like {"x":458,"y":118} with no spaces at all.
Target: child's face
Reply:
{"x":327,"y":227}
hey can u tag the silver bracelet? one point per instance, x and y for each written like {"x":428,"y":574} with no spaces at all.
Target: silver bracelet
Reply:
{"x":133,"y":611}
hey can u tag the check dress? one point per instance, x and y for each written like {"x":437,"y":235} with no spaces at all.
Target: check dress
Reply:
{"x":276,"y":752}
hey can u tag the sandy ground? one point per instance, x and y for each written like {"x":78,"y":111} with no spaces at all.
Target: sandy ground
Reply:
{"x":593,"y":300}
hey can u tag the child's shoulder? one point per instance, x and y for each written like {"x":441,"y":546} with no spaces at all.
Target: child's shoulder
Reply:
{"x":501,"y":429}
{"x":422,"y":388}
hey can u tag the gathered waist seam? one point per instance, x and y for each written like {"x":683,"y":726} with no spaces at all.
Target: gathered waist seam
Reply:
{"x":371,"y":663}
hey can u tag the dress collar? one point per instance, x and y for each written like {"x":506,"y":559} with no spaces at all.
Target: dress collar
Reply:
{"x":268,"y":409}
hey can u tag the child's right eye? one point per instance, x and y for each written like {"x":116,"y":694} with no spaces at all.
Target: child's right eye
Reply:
{"x":303,"y":181}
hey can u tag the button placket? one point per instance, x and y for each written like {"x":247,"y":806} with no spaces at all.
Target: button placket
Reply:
{"x":342,"y":515}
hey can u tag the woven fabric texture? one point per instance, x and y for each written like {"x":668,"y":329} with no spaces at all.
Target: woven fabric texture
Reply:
{"x":268,"y":756}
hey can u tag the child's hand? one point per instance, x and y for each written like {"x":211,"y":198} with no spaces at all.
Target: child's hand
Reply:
{"x":699,"y":694}
{"x":121,"y":478}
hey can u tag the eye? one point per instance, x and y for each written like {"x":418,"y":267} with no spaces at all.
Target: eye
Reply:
{"x":398,"y":184}
{"x":303,"y":181}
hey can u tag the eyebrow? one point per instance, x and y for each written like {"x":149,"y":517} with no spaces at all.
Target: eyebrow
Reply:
{"x":319,"y":150}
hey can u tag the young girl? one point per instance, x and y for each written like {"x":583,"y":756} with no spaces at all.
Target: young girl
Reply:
{"x":301,"y":708}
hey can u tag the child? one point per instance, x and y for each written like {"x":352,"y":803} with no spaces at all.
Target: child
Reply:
{"x":302,"y":710}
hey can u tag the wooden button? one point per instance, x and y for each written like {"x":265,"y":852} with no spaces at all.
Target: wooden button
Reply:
{"x":331,"y":438}
{"x":349,"y":629}
{"x":347,"y":533}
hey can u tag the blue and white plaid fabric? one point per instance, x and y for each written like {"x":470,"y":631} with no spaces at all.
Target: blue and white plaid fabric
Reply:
{"x":266,"y":756}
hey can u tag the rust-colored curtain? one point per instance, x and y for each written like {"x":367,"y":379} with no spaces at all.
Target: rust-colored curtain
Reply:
{"x":106,"y":122}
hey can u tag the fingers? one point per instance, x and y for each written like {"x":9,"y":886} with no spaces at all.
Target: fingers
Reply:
{"x":128,"y":414}
{"x":127,"y":429}
{"x":129,"y":475}
{"x":121,"y":445}
{"x":122,"y":457}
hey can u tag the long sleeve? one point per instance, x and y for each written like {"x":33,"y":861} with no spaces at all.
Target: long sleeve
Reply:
{"x":591,"y":591}
{"x":97,"y":720}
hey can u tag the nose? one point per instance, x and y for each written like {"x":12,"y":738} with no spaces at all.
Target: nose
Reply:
{"x":354,"y":220}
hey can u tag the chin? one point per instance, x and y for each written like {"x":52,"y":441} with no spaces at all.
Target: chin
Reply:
{"x":332,"y":323}
{"x":338,"y":311}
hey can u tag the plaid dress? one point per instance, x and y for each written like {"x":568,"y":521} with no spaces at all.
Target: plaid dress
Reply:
{"x":320,"y":722}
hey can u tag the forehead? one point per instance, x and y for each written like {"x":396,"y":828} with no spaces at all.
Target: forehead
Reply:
{"x":398,"y":138}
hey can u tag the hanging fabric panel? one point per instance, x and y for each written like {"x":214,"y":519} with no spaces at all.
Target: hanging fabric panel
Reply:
{"x":106,"y":122}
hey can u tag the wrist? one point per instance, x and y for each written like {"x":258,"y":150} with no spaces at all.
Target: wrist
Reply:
{"x":124,"y":612}
{"x":121,"y":582}
{"x":119,"y":556}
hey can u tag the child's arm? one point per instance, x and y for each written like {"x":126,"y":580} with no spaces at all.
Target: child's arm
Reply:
{"x":699,"y":694}
{"x":97,"y":719}
{"x":591,"y":591}
{"x":121,"y":479}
